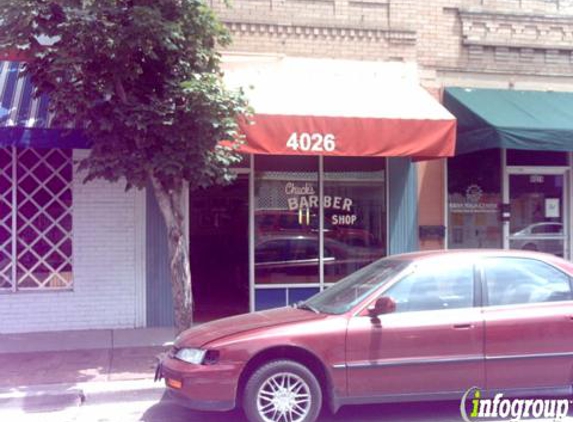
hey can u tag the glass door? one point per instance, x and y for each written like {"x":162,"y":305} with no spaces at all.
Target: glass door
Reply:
{"x":537,"y":204}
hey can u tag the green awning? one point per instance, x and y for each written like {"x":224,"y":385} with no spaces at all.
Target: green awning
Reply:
{"x":497,"y":118}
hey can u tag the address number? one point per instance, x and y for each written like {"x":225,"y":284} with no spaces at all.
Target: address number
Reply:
{"x":311,"y":142}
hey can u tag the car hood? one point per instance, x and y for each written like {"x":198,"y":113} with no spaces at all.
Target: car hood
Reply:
{"x":205,"y":333}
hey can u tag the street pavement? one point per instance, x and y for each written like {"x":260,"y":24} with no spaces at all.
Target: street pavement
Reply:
{"x":161,"y":409}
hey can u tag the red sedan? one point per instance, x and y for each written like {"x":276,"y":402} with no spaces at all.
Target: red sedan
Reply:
{"x":421,"y":326}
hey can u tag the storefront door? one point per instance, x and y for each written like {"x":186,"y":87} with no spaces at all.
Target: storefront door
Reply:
{"x":538,"y":207}
{"x":219,"y":249}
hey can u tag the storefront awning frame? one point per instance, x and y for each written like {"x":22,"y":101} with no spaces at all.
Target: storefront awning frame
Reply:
{"x":25,"y":120}
{"x":325,"y":107}
{"x":512,"y":119}
{"x":375,"y":109}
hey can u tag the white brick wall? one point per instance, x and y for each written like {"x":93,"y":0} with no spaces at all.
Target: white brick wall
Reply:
{"x":106,"y":263}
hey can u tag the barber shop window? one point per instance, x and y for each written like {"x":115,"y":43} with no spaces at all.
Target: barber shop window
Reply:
{"x":474,"y":200}
{"x":288,"y":209}
{"x":35,"y":219}
{"x":286,"y":220}
{"x":355,"y":213}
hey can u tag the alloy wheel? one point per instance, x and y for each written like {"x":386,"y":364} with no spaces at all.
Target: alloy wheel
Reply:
{"x":284,"y":397}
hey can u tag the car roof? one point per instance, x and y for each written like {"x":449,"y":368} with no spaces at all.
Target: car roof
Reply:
{"x":297,"y":236}
{"x":471,"y":253}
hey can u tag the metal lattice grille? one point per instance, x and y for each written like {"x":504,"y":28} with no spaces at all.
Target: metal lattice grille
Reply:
{"x":6,"y":192}
{"x":40,"y":232}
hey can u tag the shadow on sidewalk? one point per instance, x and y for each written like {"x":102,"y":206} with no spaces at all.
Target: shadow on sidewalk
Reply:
{"x":77,"y":366}
{"x":70,"y":398}
{"x":168,"y":410}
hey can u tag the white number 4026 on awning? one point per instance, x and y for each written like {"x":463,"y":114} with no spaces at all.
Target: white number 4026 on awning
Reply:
{"x":311,"y":142}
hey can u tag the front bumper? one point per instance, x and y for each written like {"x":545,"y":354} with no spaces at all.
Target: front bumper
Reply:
{"x":200,"y":387}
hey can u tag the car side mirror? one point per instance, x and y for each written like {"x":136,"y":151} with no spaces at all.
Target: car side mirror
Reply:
{"x":383,"y":305}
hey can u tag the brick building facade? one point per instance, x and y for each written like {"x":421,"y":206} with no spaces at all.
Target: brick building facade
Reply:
{"x":481,"y":37}
{"x":502,"y":44}
{"x":116,"y":275}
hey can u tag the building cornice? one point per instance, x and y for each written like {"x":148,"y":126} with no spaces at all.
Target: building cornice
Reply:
{"x":331,"y":31}
{"x":516,"y":30}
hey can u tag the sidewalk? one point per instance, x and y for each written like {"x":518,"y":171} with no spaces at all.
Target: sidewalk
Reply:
{"x":72,"y":365}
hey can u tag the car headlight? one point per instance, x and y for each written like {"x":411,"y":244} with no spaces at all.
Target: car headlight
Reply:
{"x":190,"y":355}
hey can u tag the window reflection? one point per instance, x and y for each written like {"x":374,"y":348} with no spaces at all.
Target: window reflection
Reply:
{"x":287,"y":217}
{"x":354,"y":213}
{"x":512,"y":281}
{"x":286,"y":220}
{"x":536,"y":221}
{"x":437,"y":286}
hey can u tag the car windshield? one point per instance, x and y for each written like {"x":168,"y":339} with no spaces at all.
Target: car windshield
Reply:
{"x":351,"y":290}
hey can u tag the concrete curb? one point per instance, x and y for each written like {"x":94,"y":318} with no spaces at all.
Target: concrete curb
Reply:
{"x":60,"y":396}
{"x":59,"y":341}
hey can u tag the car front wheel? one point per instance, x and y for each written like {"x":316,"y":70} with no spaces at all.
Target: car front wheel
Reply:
{"x":282,"y":391}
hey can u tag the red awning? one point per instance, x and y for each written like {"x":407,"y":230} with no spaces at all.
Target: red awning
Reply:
{"x":339,"y":108}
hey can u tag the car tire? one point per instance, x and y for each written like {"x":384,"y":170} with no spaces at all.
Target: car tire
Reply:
{"x":281,"y":391}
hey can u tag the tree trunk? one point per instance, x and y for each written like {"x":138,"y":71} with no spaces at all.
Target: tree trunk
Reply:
{"x":172,"y":206}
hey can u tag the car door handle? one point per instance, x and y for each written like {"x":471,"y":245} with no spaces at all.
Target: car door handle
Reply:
{"x":463,"y":326}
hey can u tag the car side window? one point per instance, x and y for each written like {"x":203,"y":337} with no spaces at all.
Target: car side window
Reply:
{"x":328,"y":253}
{"x":438,"y":286}
{"x":272,"y":251}
{"x":302,"y":249}
{"x":512,"y":281}
{"x":547,"y":229}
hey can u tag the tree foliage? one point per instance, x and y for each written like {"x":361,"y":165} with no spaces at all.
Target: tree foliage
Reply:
{"x":141,"y":77}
